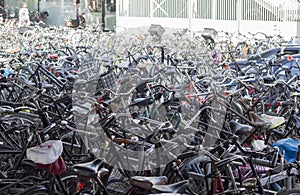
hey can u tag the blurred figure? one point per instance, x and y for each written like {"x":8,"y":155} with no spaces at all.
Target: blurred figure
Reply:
{"x":88,"y":14}
{"x":44,"y":17}
{"x":24,"y":16}
{"x":3,"y":13}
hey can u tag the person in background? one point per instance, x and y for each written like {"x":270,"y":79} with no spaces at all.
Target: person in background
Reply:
{"x":89,"y":10}
{"x":24,"y":16}
{"x":3,"y":13}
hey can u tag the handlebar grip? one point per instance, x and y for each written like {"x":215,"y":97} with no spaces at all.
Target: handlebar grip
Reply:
{"x":265,"y":163}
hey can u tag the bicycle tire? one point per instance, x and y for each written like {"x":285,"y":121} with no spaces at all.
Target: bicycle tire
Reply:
{"x":29,"y":35}
{"x":71,"y":179}
{"x":196,"y":186}
{"x":34,"y":119}
{"x":68,"y":179}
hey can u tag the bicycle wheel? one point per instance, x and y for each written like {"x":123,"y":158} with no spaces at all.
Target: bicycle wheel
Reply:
{"x":193,"y":169}
{"x":69,"y":181}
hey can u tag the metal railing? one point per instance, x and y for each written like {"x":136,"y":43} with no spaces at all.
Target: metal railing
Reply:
{"x":225,"y":9}
{"x":263,"y":10}
{"x":271,"y":10}
{"x":169,"y":8}
{"x":139,"y":8}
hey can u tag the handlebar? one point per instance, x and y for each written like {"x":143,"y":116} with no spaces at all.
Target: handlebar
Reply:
{"x":262,"y":162}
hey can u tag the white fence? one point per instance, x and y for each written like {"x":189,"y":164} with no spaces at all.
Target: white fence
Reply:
{"x":227,"y":15}
{"x":265,"y":10}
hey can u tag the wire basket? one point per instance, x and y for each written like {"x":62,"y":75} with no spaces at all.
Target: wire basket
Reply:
{"x":107,"y":81}
{"x":156,"y":30}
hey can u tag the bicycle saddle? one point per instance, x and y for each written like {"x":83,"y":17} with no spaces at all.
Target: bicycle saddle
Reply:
{"x":147,"y":182}
{"x":296,"y":121}
{"x":53,"y":56}
{"x":172,"y":188}
{"x":240,"y":129}
{"x":268,"y":79}
{"x":69,"y":58}
{"x":258,"y":121}
{"x":89,"y":169}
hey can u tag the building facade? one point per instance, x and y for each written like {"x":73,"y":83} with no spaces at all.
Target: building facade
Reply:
{"x":226,"y":15}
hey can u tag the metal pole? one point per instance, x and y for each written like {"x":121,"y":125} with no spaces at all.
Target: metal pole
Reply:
{"x":103,"y":15}
{"x":214,"y":9}
{"x":298,"y":24}
{"x":151,"y":7}
{"x":190,"y":14}
{"x":38,"y":4}
{"x":239,"y":17}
